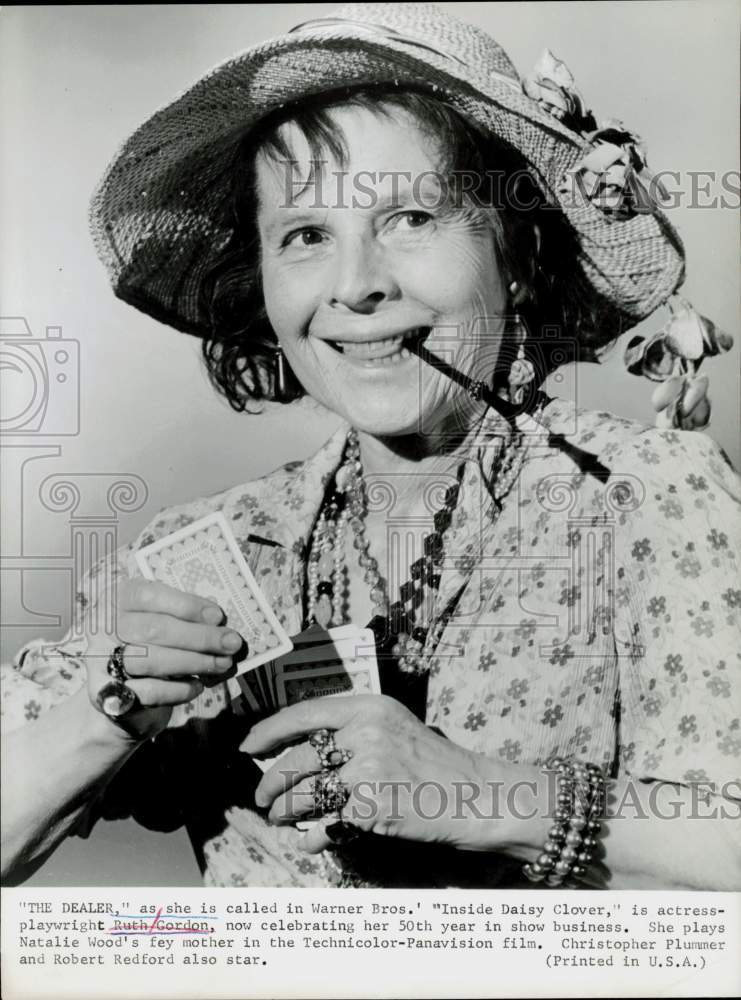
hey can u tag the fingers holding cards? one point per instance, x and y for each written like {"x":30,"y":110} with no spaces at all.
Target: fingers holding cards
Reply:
{"x":154,"y":629}
{"x":204,"y":559}
{"x":149,"y":596}
{"x":162,"y":662}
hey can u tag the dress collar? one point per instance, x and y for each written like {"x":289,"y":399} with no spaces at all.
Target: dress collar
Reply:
{"x":309,"y":483}
{"x":305,"y":481}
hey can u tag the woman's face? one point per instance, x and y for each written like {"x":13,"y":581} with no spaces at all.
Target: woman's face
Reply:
{"x":356,"y":262}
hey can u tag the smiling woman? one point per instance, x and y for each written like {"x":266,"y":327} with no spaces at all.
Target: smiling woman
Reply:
{"x":375,"y":211}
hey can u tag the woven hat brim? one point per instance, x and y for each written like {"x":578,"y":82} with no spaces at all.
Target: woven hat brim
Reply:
{"x":161,"y":215}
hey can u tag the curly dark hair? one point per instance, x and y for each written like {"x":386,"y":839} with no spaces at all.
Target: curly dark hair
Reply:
{"x":565,"y":318}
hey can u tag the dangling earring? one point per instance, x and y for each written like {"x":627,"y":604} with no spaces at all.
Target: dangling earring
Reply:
{"x":285,"y":387}
{"x":521,"y":372}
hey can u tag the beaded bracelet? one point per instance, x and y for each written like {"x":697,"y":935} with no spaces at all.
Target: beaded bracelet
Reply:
{"x":572,"y":839}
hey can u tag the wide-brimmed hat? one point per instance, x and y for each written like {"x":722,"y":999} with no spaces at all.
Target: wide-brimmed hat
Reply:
{"x":161,"y":214}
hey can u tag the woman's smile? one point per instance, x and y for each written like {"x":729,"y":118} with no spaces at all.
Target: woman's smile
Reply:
{"x":381,"y":351}
{"x":376,"y":352}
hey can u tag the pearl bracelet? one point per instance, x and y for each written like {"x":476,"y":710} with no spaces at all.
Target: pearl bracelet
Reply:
{"x":572,"y":839}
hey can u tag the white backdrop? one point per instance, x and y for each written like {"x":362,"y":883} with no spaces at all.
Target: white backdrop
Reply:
{"x":74,"y":81}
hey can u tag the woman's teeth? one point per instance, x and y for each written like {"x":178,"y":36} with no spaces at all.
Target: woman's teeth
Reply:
{"x":371,"y":347}
{"x":387,"y":351}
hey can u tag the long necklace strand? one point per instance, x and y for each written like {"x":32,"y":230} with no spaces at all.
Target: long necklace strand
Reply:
{"x":408,"y":628}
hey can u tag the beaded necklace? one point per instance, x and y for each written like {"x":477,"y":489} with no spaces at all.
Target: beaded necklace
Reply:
{"x":406,"y":628}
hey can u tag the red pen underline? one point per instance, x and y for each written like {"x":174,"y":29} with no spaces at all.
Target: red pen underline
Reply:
{"x":151,"y":930}
{"x":185,"y":930}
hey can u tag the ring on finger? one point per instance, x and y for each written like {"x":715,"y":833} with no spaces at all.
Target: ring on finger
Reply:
{"x":330,"y":792}
{"x":333,"y":757}
{"x":319,"y":738}
{"x":115,"y":666}
{"x":329,"y":754}
{"x":116,"y":699}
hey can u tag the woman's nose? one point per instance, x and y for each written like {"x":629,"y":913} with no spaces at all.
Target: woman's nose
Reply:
{"x":362,"y":277}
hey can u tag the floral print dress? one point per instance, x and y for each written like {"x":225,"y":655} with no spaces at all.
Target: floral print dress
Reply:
{"x":595,"y":614}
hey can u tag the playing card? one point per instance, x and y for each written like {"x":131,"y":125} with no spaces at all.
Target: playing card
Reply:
{"x":246,"y":692}
{"x":315,"y":635}
{"x":358,"y":648}
{"x":347,"y":665}
{"x":320,"y":682}
{"x":204,"y":559}
{"x":267,"y":698}
{"x":249,"y":680}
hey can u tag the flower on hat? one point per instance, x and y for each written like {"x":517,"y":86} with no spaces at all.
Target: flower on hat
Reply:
{"x":682,"y":402}
{"x":613,"y":173}
{"x":552,"y":85}
{"x":672,"y":357}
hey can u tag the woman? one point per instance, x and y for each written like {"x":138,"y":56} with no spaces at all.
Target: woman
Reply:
{"x":375,"y":211}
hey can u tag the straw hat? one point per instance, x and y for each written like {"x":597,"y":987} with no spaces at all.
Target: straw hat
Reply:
{"x":160,"y":213}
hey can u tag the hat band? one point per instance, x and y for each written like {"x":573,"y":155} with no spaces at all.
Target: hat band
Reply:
{"x":322,"y":25}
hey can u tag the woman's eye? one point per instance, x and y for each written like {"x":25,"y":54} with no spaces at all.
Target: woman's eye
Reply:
{"x":411,"y":220}
{"x":304,"y":238}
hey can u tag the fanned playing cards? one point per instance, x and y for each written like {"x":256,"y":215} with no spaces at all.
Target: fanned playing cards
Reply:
{"x":204,"y":559}
{"x":322,"y":663}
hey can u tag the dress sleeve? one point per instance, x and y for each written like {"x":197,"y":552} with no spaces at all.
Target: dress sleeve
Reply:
{"x":677,"y":607}
{"x":46,"y":672}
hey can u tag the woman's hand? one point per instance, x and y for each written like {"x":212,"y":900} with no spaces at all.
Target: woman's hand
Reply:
{"x":176,"y":644}
{"x":404,"y":779}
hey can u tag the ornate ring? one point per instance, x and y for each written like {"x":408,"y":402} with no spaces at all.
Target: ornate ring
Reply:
{"x":329,"y":754}
{"x":319,"y":738}
{"x":342,"y":832}
{"x":115,"y":666}
{"x":334,"y":756}
{"x":116,"y":699}
{"x":330,"y":793}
